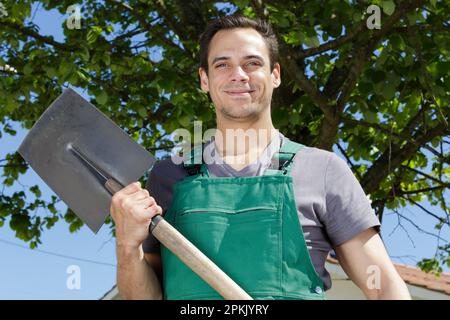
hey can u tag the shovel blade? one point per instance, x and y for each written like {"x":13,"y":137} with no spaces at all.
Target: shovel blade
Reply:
{"x":71,"y":121}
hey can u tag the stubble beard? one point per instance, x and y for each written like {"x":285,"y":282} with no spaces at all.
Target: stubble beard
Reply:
{"x":248,"y":111}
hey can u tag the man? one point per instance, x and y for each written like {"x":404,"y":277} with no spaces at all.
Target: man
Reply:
{"x":268,"y":214}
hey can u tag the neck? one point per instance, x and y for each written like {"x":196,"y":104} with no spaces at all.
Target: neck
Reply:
{"x":237,"y":138}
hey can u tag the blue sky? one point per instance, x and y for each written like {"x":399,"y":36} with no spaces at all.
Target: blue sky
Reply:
{"x":33,"y":274}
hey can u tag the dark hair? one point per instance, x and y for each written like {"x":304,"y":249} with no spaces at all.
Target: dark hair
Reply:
{"x":238,"y":21}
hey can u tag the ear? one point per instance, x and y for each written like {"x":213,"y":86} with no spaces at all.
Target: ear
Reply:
{"x":204,"y":83}
{"x":276,"y":75}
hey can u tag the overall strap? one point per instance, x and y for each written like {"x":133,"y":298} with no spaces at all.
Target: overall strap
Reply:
{"x":282,"y":160}
{"x":194,"y":164}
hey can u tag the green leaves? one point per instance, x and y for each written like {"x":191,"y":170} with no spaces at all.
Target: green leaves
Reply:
{"x":28,"y":69}
{"x":75,"y":226}
{"x":50,"y":71}
{"x":429,"y":265}
{"x":378,"y":75}
{"x":102,"y":97}
{"x":36,"y":191}
{"x":19,"y":223}
{"x":15,"y":165}
{"x":295,"y":119}
{"x":50,"y":221}
{"x":74,"y":222}
{"x":388,"y":7}
{"x":93,"y":34}
{"x":296,"y":38}
{"x":312,"y":41}
{"x":387,"y":90}
{"x":408,"y":70}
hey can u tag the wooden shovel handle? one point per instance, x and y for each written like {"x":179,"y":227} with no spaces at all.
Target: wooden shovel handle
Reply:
{"x":196,"y":260}
{"x":113,"y":186}
{"x":190,"y":255}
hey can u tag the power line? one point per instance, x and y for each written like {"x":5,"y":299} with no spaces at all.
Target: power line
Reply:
{"x":57,"y":254}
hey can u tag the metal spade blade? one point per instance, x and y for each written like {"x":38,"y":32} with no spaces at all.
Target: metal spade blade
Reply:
{"x":75,"y":149}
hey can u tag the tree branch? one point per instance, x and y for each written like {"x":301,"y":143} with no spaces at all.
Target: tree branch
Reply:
{"x":305,"y":84}
{"x":424,"y":174}
{"x":31,"y":33}
{"x":440,"y":219}
{"x":332,"y":44}
{"x":173,"y":24}
{"x":419,"y":228}
{"x":444,"y":186}
{"x":364,"y":52}
{"x":361,"y":53}
{"x":379,"y":169}
{"x":353,"y":122}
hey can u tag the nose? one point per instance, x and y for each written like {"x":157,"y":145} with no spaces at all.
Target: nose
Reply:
{"x":239,"y":75}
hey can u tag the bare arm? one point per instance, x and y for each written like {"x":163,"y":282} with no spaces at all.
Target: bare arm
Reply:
{"x":132,"y":209}
{"x":366,"y":262}
{"x":136,"y":278}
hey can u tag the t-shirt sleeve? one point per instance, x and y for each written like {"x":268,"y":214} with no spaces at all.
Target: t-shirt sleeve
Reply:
{"x":151,"y":244}
{"x":348,"y":209}
{"x":162,"y":177}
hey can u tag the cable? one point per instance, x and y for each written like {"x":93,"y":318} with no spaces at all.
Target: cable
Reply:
{"x":57,"y":254}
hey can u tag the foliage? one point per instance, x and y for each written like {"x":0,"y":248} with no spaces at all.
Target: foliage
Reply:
{"x":381,"y":96}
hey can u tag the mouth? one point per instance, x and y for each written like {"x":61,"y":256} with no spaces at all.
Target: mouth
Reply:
{"x":239,"y":93}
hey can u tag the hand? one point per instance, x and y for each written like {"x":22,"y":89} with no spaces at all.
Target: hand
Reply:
{"x":132,"y":209}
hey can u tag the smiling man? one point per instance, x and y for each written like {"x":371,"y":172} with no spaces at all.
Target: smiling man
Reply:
{"x":268,"y":213}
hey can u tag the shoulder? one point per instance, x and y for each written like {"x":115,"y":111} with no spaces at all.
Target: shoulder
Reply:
{"x":324,"y":165}
{"x":316,"y":158}
{"x":166,"y":172}
{"x":306,"y":154}
{"x":320,"y":158}
{"x":320,"y":168}
{"x":316,"y":153}
{"x":167,"y":165}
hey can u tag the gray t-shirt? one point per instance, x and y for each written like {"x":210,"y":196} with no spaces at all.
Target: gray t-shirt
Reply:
{"x":332,"y":206}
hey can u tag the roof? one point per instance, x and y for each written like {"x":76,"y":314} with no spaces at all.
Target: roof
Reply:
{"x":411,"y":275}
{"x":417,"y":277}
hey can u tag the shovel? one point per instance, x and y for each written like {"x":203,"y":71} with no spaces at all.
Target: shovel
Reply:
{"x":85,"y":158}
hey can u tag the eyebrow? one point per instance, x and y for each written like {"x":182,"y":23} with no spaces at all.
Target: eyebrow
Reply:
{"x":246,"y":57}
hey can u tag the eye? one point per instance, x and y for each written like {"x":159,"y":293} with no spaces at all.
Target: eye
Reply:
{"x":220,"y":65}
{"x":254,"y":63}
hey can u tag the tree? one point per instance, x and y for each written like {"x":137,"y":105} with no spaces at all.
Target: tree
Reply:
{"x":378,"y":93}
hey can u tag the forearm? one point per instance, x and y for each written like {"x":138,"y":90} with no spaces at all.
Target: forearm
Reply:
{"x":395,"y":290}
{"x":390,"y":289}
{"x":136,"y":279}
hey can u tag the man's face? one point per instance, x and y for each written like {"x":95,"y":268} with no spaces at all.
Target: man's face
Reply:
{"x":239,"y":78}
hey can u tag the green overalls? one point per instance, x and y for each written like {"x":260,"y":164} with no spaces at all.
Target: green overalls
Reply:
{"x":248,"y":226}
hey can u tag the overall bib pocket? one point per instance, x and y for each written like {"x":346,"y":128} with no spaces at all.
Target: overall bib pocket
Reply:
{"x":237,"y":240}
